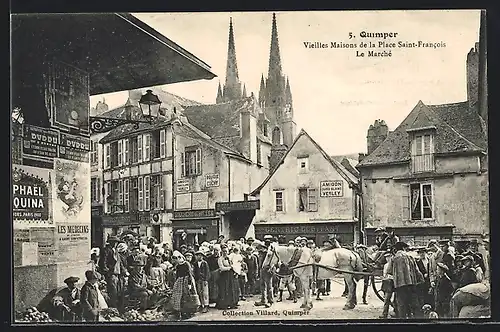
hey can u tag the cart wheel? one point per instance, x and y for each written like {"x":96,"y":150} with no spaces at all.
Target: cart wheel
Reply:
{"x":378,"y":291}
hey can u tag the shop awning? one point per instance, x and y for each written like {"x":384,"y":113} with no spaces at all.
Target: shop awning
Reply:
{"x":119,"y":51}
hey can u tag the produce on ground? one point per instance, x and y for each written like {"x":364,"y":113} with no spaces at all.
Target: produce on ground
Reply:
{"x":33,"y":315}
{"x":148,"y":315}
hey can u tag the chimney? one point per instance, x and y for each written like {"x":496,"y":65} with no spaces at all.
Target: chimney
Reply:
{"x":473,"y":75}
{"x":361,"y":156}
{"x":483,"y":70}
{"x":277,"y":152}
{"x":377,"y":133}
{"x":248,"y":133}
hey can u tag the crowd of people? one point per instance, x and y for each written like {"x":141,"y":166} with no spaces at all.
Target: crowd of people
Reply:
{"x":437,"y":281}
{"x":130,"y":270}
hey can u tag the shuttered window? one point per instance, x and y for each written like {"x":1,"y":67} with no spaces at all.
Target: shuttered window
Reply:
{"x":126,"y":192}
{"x":139,"y":148}
{"x":140,"y":189}
{"x":147,"y":187}
{"x":162,"y":143}
{"x":120,"y":153}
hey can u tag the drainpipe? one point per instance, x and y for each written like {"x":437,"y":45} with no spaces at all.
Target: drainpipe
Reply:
{"x":361,"y":213}
{"x":229,"y":178}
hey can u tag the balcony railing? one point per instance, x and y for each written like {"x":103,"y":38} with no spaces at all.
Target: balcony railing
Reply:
{"x":422,"y":163}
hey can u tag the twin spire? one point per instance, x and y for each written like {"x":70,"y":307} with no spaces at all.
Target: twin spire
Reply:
{"x":275,"y":91}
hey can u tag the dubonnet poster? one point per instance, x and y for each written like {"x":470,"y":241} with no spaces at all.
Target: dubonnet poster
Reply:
{"x":346,"y":153}
{"x":71,"y":191}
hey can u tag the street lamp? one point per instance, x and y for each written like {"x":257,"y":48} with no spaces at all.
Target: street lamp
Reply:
{"x":150,"y":109}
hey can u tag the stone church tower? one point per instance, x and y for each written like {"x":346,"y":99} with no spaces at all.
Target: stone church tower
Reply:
{"x":232,"y":87}
{"x":275,"y":96}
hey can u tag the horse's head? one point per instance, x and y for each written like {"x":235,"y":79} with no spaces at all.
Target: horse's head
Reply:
{"x":271,"y":257}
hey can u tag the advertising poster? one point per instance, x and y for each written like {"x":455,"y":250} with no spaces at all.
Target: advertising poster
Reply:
{"x":331,"y":188}
{"x":73,"y":147}
{"x":31,"y":194}
{"x":73,"y":241}
{"x":71,"y":191}
{"x":45,"y":237}
{"x":39,"y":142}
{"x":70,"y":102}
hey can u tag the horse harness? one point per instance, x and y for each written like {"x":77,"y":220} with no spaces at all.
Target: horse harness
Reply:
{"x":292,"y":263}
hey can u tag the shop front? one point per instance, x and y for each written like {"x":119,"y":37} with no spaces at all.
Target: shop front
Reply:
{"x":319,"y":232}
{"x":238,"y":215}
{"x":415,"y":236}
{"x":193,"y":227}
{"x":115,"y":224}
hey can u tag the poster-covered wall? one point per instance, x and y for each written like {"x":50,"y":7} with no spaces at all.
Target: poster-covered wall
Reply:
{"x":71,"y":192}
{"x":31,"y":194}
{"x":73,"y":241}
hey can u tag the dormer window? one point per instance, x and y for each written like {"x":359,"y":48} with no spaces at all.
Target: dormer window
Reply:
{"x":422,"y":152}
{"x":303,"y":164}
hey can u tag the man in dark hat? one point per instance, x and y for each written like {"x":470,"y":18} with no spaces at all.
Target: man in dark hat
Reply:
{"x":444,"y":291}
{"x":183,"y":249}
{"x":250,"y":240}
{"x":468,"y":273}
{"x":423,"y":265}
{"x":138,"y":285}
{"x":404,"y":272}
{"x":265,"y":275}
{"x":220,"y":239}
{"x":201,"y":273}
{"x":67,"y":301}
{"x":89,"y":297}
{"x":252,"y":263}
{"x":114,"y":271}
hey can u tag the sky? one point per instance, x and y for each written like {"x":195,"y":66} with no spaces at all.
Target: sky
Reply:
{"x":336,"y":95}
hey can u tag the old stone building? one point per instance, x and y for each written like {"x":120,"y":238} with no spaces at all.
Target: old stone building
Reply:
{"x":309,"y":194}
{"x":429,"y":177}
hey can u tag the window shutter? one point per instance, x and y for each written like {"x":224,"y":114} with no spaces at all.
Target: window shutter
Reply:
{"x":120,"y":152}
{"x":405,"y":202}
{"x":140,"y":189}
{"x":139,"y":148}
{"x":162,"y":192}
{"x":147,"y":147}
{"x":183,"y":164}
{"x":126,"y":157}
{"x":147,"y":190}
{"x":198,"y":161}
{"x":162,"y":143}
{"x":126,"y":193}
{"x":107,"y":159}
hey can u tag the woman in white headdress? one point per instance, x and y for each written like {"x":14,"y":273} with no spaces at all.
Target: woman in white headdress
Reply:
{"x":185,"y":300}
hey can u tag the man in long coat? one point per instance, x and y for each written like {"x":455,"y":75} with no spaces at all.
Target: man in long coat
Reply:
{"x":266,"y":276}
{"x":112,"y":267}
{"x":404,"y":272}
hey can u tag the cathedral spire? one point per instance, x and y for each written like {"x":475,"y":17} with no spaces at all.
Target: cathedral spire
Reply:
{"x":220,"y":98}
{"x":244,"y":94}
{"x":232,"y":86}
{"x":274,"y":55}
{"x":262,"y":91}
{"x":288,"y":93}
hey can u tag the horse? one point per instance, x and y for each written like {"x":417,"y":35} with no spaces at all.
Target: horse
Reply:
{"x":339,"y":258}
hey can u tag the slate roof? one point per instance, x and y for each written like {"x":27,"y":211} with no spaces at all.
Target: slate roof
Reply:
{"x":348,"y":176}
{"x":459,"y":128}
{"x":168,"y":102}
{"x":222,"y":121}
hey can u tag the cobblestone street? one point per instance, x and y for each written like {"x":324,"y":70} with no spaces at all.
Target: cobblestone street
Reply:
{"x":331,"y":307}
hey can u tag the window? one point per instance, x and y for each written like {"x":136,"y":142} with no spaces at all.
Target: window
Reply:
{"x":109,"y":197}
{"x":126,"y":148}
{"x":162,"y":144}
{"x":147,"y":147}
{"x":419,"y":202}
{"x":133,"y":204}
{"x":133,"y":150}
{"x":279,"y":201}
{"x":264,"y":129}
{"x":107,"y":160}
{"x":126,"y":192}
{"x":259,"y":152}
{"x":120,"y":196}
{"x":95,"y":189}
{"x":139,"y":148}
{"x":114,"y":154}
{"x":147,"y":203}
{"x":308,"y":200}
{"x":191,"y":162}
{"x":303,"y":164}
{"x":94,"y":150}
{"x":155,"y":143}
{"x":156,"y":192}
{"x":114,"y":197}
{"x":120,"y":152}
{"x":422,"y":153}
{"x":140,"y":189}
